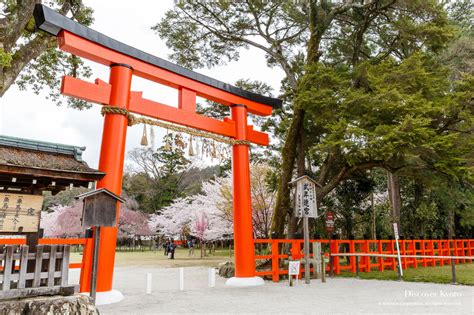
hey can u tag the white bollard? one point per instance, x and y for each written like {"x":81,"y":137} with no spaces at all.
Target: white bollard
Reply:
{"x":211,"y":277}
{"x":181,"y":279}
{"x":148,"y":283}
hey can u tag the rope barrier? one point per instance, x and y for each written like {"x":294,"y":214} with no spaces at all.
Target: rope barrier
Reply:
{"x":134,"y":120}
{"x":403,"y":256}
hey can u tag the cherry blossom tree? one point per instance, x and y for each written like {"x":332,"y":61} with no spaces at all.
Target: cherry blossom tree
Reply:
{"x":132,"y":223}
{"x":208,"y":216}
{"x":201,"y":225}
{"x":65,"y":221}
{"x":263,"y":200}
{"x":199,"y":216}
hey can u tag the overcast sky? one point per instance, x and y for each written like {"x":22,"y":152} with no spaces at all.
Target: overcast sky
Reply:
{"x":25,"y":114}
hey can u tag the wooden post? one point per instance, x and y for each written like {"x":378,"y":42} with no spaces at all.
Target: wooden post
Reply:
{"x":65,"y":265}
{"x":331,"y":259}
{"x":323,"y":268}
{"x":306,"y":250}
{"x":95,"y":263}
{"x":7,"y":269}
{"x":51,"y":265}
{"x":23,"y":267}
{"x":453,"y":271}
{"x":38,"y":263}
{"x":357,"y":266}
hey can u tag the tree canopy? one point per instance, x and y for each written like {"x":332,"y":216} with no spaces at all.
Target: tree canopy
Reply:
{"x":29,"y":57}
{"x":368,"y":84}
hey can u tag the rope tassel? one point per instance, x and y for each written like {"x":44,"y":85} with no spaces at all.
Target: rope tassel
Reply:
{"x":133,"y":120}
{"x":191,"y":151}
{"x":144,"y":141}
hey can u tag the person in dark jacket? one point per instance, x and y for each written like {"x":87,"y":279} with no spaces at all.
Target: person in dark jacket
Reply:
{"x":166,"y":246}
{"x":171,"y":248}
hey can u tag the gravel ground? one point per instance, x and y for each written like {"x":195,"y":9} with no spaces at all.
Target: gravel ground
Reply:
{"x":342,"y":296}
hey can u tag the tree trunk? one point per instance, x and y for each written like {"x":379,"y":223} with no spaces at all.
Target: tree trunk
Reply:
{"x":372,"y":207}
{"x":300,"y":169}
{"x":394,"y":195}
{"x":283,"y":204}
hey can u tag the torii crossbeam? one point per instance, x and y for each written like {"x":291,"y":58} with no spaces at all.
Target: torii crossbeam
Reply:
{"x":124,"y":62}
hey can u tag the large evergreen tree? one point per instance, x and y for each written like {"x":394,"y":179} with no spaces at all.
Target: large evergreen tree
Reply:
{"x":364,"y":83}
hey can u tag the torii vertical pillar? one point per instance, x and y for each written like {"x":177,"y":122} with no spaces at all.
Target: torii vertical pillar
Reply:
{"x":111,"y":162}
{"x":243,"y":232}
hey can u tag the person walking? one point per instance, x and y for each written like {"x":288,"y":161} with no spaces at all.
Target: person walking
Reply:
{"x":166,"y":246}
{"x":171,"y":248}
{"x":190,"y":247}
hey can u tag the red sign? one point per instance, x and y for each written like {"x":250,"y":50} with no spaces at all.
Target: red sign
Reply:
{"x":329,"y":222}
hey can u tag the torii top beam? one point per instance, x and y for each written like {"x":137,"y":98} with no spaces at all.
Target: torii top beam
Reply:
{"x":162,"y":71}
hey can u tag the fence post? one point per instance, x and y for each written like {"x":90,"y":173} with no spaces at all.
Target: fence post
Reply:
{"x":455,"y":245}
{"x":148,"y":282}
{"x":275,"y":262}
{"x":323,"y":268}
{"x":367,"y":258}
{"x":470,"y":248}
{"x":181,"y":279}
{"x":332,"y":259}
{"x":352,"y":251}
{"x":85,"y":277}
{"x":440,"y":252}
{"x":381,"y":259}
{"x":447,"y":250}
{"x":65,"y":265}
{"x":23,"y":266}
{"x":336,"y":259}
{"x":357,"y":266}
{"x":7,"y":269}
{"x":392,"y":249}
{"x":432,"y":252}
{"x":404,"y":252}
{"x":38,"y":264}
{"x":423,"y":251}
{"x":51,"y":265}
{"x":413,"y":252}
{"x":211,"y":277}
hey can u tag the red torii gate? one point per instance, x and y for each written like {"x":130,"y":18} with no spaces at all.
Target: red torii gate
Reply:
{"x":124,"y":62}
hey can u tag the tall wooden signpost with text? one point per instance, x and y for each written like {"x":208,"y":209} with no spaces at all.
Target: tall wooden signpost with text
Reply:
{"x":306,"y":207}
{"x":120,"y":103}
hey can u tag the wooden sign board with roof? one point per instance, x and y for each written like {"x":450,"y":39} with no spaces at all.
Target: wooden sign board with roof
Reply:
{"x":99,"y":208}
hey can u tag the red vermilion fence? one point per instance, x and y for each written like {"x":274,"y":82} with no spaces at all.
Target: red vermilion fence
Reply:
{"x":87,"y":244}
{"x":458,"y":247}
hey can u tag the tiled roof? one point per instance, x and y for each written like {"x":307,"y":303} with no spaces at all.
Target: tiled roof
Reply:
{"x":44,"y":155}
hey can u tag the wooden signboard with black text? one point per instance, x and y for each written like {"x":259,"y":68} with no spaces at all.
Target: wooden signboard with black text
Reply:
{"x":20,"y":213}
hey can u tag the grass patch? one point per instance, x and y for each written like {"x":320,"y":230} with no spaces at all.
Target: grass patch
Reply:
{"x":438,"y":274}
{"x":158,"y":259}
